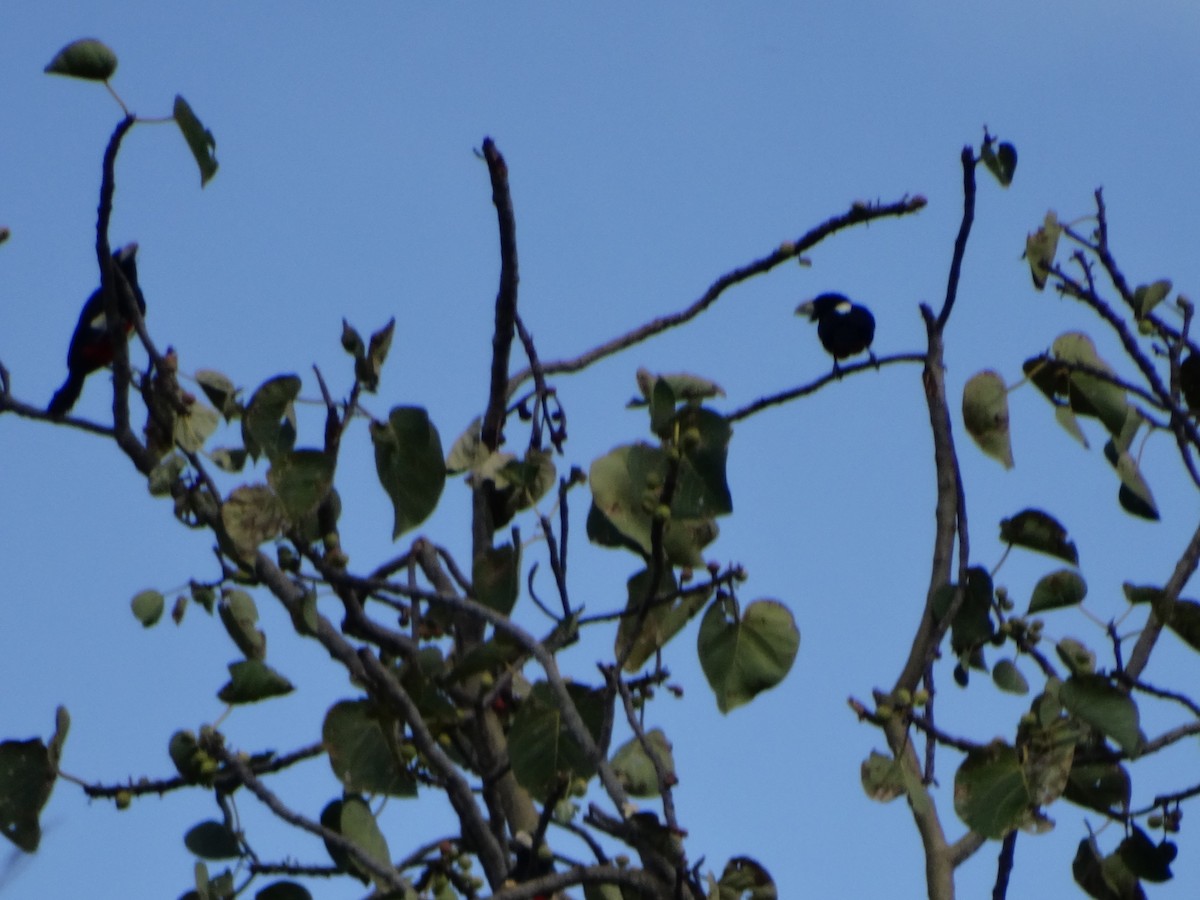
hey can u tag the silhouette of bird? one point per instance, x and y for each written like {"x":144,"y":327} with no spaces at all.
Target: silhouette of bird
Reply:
{"x":91,"y":344}
{"x":845,"y":328}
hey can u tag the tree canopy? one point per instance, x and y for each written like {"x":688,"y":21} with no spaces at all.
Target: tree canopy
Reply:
{"x":473,"y":667}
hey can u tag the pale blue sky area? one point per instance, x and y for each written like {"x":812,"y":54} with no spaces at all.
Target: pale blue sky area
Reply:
{"x":651,"y":148}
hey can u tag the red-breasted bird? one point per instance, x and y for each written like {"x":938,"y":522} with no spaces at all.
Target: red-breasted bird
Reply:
{"x":91,"y":344}
{"x":845,"y":328}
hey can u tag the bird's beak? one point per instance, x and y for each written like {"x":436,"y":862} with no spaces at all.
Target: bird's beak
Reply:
{"x":807,"y":309}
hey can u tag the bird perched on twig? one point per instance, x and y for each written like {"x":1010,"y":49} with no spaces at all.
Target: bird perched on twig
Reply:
{"x":91,"y":344}
{"x":845,"y":328}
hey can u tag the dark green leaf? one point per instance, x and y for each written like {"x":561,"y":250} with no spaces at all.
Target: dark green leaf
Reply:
{"x":199,"y":140}
{"x":358,"y":824}
{"x":1096,"y":701}
{"x":252,"y":681}
{"x":363,"y":751}
{"x":1078,"y":658}
{"x":283,"y":890}
{"x":301,"y":480}
{"x":27,"y":775}
{"x":86,"y":58}
{"x":1144,"y":858}
{"x":148,"y":607}
{"x":269,"y":421}
{"x":496,"y":577}
{"x":663,"y":618}
{"x":662,"y":409}
{"x":1008,"y":677}
{"x":1100,"y":785}
{"x":745,"y":879}
{"x":212,"y":840}
{"x":542,"y":751}
{"x":1058,"y":589}
{"x":743,"y":657}
{"x":990,"y":793}
{"x":408,"y":460}
{"x":1037,"y":530}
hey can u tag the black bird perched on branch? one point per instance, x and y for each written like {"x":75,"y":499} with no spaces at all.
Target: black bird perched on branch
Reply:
{"x":845,"y":328}
{"x":91,"y":344}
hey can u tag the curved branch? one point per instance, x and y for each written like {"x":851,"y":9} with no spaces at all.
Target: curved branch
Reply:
{"x":857,"y":214}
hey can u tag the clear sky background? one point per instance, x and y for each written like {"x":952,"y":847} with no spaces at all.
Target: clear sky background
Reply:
{"x":651,"y":148}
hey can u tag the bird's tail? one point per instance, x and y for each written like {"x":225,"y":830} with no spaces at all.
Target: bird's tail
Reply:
{"x":64,"y":398}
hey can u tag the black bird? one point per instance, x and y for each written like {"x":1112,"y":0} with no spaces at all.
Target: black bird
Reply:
{"x":845,"y":328}
{"x":91,"y":344}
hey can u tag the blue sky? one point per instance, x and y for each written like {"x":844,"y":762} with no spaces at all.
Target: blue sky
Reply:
{"x":651,"y":149}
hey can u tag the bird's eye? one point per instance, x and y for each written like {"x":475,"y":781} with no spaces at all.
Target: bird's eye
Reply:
{"x":843,"y":307}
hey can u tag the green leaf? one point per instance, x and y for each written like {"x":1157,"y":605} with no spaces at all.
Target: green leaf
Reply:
{"x":662,"y":408}
{"x":467,"y":453}
{"x":1189,"y":381}
{"x":972,"y":625}
{"x":542,"y":752}
{"x":194,"y":426}
{"x":220,"y":391}
{"x":239,"y":615}
{"x":525,"y":481}
{"x":212,"y":840}
{"x":199,"y":140}
{"x":985,"y":415}
{"x":1037,"y":530}
{"x":1145,"y":859}
{"x":990,"y":794}
{"x":283,"y":890}
{"x":252,"y":681}
{"x":408,"y":460}
{"x":745,"y":879}
{"x":496,"y":577}
{"x":27,"y":775}
{"x":1001,"y":162}
{"x":882,"y":777}
{"x":743,"y":657}
{"x":269,"y":421}
{"x":1102,"y":786}
{"x":1058,"y":589}
{"x":627,"y":485}
{"x":1040,"y":248}
{"x":301,"y":480}
{"x":1075,"y":656}
{"x":1096,"y":701}
{"x":251,"y":515}
{"x":363,"y":751}
{"x":368,"y":365}
{"x":702,"y":491}
{"x":635,"y":769}
{"x":1147,"y":296}
{"x":228,"y":459}
{"x":1134,"y":494}
{"x":86,"y":58}
{"x":664,"y":618}
{"x":195,"y":765}
{"x":1008,"y":677}
{"x":148,"y":607}
{"x":683,"y":386}
{"x":358,"y":824}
